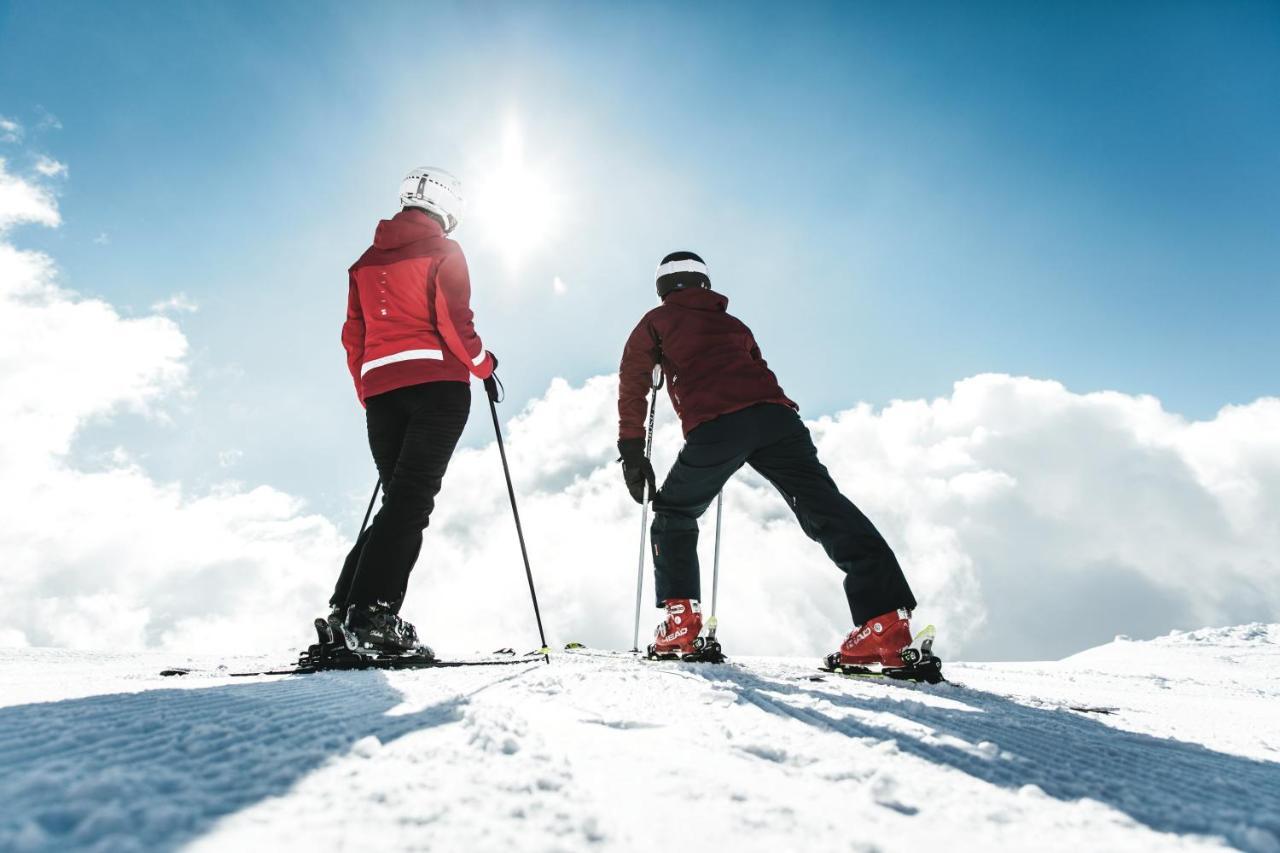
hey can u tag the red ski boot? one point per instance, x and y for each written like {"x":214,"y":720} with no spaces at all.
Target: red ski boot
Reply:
{"x":884,"y":646}
{"x":677,"y":637}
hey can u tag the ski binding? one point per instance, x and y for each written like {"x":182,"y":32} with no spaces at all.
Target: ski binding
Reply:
{"x":705,"y":650}
{"x":920,"y":663}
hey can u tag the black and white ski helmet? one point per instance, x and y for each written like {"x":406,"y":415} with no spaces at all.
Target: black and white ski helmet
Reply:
{"x":681,"y":270}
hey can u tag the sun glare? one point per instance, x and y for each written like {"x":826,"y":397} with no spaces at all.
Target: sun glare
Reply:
{"x":516,"y":205}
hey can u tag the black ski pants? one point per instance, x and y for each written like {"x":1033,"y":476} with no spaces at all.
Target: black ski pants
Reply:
{"x":774,"y":441}
{"x":412,"y":432}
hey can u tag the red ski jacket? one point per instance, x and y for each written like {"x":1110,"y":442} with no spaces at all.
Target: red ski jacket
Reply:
{"x":710,"y":358}
{"x":409,"y":310}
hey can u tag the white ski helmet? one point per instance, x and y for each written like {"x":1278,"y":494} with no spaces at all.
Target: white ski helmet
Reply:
{"x":435,"y":191}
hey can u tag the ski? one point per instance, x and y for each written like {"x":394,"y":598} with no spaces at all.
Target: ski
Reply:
{"x":407,"y":662}
{"x":707,"y":655}
{"x":580,"y":650}
{"x":368,"y":664}
{"x":927,"y":671}
{"x":335,"y":652}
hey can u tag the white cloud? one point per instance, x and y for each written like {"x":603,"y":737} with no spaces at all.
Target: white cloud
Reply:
{"x":10,"y":130}
{"x":110,"y":556}
{"x":178,"y":303}
{"x":558,"y":287}
{"x":22,"y":201}
{"x":47,"y":120}
{"x":102,"y":239}
{"x":1031,"y":521}
{"x":50,"y":167}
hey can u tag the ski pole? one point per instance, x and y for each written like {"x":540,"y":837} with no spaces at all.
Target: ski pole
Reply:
{"x":524,"y":552}
{"x":368,"y":512}
{"x":656,"y":383}
{"x":715,"y":571}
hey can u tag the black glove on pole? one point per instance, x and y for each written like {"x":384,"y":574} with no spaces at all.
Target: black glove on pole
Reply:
{"x":491,"y":385}
{"x":637,"y":470}
{"x":643,"y":476}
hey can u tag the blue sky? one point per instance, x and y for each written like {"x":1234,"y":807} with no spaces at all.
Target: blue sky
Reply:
{"x":894,"y":198}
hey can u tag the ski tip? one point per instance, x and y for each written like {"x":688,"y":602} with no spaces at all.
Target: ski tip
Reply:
{"x":928,"y":671}
{"x":568,"y":647}
{"x":175,"y":671}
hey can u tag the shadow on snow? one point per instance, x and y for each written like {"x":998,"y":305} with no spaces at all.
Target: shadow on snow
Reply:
{"x":1165,"y":784}
{"x":159,"y":767}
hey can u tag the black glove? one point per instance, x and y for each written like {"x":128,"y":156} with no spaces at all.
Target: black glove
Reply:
{"x":491,"y":383}
{"x":636,"y":469}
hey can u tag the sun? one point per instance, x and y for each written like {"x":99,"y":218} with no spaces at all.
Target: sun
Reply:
{"x":516,"y":205}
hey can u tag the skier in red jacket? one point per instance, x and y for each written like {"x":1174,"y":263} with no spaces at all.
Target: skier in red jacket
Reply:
{"x":412,"y":349}
{"x":734,"y":412}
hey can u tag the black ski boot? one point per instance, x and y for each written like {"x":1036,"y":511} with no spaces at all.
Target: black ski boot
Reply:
{"x":375,"y":629}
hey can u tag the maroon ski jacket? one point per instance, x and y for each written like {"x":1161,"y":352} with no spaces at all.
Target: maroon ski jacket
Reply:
{"x":409,"y":310}
{"x":710,"y":358}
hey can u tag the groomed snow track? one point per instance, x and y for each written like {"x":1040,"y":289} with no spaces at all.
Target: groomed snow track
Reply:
{"x":602,"y":752}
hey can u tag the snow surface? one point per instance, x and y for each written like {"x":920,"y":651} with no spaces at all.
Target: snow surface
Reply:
{"x":1168,"y":744}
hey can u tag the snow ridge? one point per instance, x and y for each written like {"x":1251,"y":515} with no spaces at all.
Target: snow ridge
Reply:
{"x":1253,"y":634}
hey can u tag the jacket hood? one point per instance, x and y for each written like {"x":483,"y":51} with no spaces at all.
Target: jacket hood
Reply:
{"x":699,"y":299}
{"x":407,"y":226}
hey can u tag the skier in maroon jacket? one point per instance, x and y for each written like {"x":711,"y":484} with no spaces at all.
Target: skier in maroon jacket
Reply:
{"x":733,"y":413}
{"x":412,"y":349}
